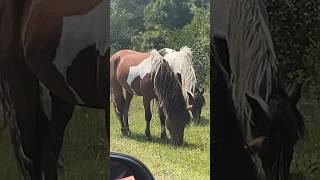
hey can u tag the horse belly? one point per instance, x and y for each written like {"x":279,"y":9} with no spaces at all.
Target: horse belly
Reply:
{"x":52,"y":45}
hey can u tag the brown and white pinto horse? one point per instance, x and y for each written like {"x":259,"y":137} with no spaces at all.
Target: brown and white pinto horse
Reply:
{"x":150,"y":76}
{"x":64,"y":45}
{"x":182,"y":65}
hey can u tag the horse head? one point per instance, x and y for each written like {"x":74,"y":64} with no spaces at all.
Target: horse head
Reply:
{"x":281,"y":132}
{"x":171,"y":99}
{"x":196,"y":103}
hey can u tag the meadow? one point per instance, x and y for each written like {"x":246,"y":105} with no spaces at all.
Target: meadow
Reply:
{"x":84,"y":153}
{"x":191,"y":161}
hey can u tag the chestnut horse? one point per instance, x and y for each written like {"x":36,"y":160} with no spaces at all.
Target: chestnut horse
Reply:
{"x":150,"y":76}
{"x":181,"y":63}
{"x":64,"y":45}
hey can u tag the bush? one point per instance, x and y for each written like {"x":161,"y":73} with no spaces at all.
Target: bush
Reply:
{"x":196,"y":36}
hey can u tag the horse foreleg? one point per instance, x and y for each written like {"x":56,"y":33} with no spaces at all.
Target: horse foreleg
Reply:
{"x":129,"y":97}
{"x":42,"y":138}
{"x":61,"y":113}
{"x":162,"y":117}
{"x":148,"y":116}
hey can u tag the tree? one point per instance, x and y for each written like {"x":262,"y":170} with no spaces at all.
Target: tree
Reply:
{"x":294,"y":25}
{"x":166,"y":14}
{"x":196,"y":36}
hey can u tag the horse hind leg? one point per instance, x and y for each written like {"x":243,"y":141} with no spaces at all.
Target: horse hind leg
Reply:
{"x":148,"y":116}
{"x":129,"y":97}
{"x":119,"y":104}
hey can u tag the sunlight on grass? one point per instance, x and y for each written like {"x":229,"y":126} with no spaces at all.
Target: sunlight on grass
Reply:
{"x":84,"y":155}
{"x":191,"y":161}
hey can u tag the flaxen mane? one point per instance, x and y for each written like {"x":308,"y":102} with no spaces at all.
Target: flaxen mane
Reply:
{"x":8,"y":115}
{"x":253,"y":61}
{"x":188,"y":75}
{"x":166,"y":86}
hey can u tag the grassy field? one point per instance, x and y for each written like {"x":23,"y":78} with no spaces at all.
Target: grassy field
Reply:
{"x":306,"y":161}
{"x":83,"y":154}
{"x":84,"y":151}
{"x":191,"y":161}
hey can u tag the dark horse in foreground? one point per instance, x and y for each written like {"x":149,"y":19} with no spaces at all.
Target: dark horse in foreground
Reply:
{"x":150,"y":76}
{"x":63,"y":44}
{"x":246,"y":47}
{"x":182,"y":65}
{"x":231,"y":158}
{"x":277,"y":127}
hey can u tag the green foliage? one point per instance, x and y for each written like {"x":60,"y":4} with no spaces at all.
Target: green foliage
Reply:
{"x":312,"y":72}
{"x":126,"y":20}
{"x":294,"y":27}
{"x":166,"y":14}
{"x":143,"y":25}
{"x":166,"y":162}
{"x":120,"y":35}
{"x":196,"y":36}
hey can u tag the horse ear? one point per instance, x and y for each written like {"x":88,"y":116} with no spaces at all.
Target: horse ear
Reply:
{"x":295,"y":93}
{"x":191,"y":98}
{"x":202,"y":91}
{"x":256,"y":144}
{"x":197,"y":90}
{"x":258,"y":106}
{"x":189,"y":108}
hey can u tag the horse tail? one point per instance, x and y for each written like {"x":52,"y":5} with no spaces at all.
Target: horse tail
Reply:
{"x":9,"y":117}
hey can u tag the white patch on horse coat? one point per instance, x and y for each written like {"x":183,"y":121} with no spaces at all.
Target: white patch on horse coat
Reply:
{"x":168,"y":50}
{"x":80,"y":32}
{"x":140,"y":70}
{"x":175,"y":64}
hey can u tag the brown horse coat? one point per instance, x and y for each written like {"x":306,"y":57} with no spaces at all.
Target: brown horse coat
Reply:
{"x":58,"y":43}
{"x":58,"y":50}
{"x":126,"y":59}
{"x":150,"y":76}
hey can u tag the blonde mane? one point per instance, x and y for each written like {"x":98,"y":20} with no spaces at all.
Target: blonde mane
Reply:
{"x":181,"y":62}
{"x":253,"y":62}
{"x":188,"y":75}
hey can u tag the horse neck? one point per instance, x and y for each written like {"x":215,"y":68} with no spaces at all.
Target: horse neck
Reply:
{"x":165,"y":83}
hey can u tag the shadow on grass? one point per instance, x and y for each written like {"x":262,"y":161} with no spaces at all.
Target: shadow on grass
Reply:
{"x":157,"y":140}
{"x":203,"y":121}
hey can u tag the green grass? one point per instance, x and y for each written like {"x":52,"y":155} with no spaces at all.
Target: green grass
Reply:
{"x":306,"y":161}
{"x":84,"y":152}
{"x":191,"y":161}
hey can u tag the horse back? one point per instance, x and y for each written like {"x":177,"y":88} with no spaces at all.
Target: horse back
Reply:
{"x":131,"y":71}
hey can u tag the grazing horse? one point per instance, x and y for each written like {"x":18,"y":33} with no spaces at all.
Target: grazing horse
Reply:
{"x":253,"y":70}
{"x":64,"y":45}
{"x":232,"y":157}
{"x":181,"y":63}
{"x":150,"y":76}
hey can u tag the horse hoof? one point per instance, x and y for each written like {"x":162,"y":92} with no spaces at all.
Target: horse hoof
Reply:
{"x":124,"y":132}
{"x":164,"y":136}
{"x":149,"y":138}
{"x":128,"y":132}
